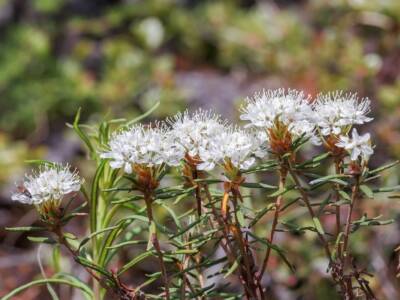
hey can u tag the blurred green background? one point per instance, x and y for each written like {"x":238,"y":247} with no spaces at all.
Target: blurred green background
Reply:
{"x":117,"y":58}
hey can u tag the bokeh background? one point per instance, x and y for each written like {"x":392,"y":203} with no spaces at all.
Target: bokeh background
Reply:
{"x":118,"y":58}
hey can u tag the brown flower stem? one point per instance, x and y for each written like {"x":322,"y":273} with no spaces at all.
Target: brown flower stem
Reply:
{"x":185,"y":280}
{"x":244,"y":250}
{"x":338,"y":170}
{"x":306,"y":200}
{"x":255,"y":284}
{"x":278,"y":202}
{"x":227,"y":246}
{"x":198,"y":193}
{"x":156,"y":244}
{"x":200,"y":276}
{"x":224,"y":205}
{"x":354,"y":197}
{"x":337,"y":271}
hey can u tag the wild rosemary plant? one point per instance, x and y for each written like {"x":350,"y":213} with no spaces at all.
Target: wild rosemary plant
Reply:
{"x":177,"y":209}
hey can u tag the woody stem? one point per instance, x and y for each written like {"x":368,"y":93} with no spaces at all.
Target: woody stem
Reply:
{"x":278,"y":202}
{"x":156,"y":244}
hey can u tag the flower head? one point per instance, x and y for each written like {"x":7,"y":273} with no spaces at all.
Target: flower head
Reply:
{"x":284,"y":115}
{"x":335,"y":112}
{"x":139,"y":145}
{"x":240,"y":148}
{"x":199,"y":134}
{"x":357,"y":145}
{"x":269,"y":107}
{"x":51,"y":184}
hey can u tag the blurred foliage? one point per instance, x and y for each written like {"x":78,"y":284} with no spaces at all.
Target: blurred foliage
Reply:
{"x":12,"y":156}
{"x":121,"y":56}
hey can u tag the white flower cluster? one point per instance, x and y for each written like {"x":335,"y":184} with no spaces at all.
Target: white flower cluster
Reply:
{"x":334,"y":112}
{"x":330,"y":114}
{"x":142,"y":145}
{"x":203,"y":136}
{"x":290,"y":108}
{"x":200,"y":135}
{"x":206,"y":138}
{"x":241,"y":147}
{"x":51,"y":183}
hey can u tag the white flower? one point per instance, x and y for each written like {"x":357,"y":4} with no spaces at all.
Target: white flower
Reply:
{"x":357,"y":145}
{"x":142,"y":145}
{"x":199,"y":134}
{"x":336,"y":111}
{"x":241,"y":147}
{"x":51,"y":183}
{"x":290,"y":108}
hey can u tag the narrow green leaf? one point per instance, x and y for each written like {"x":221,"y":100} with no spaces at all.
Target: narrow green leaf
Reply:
{"x":337,"y":245}
{"x":129,"y":199}
{"x":382,"y":168}
{"x":174,"y":194}
{"x":367,"y":191}
{"x":83,"y":135}
{"x":94,"y":234}
{"x":26,"y":228}
{"x":42,"y":239}
{"x":269,"y":165}
{"x":94,"y":195}
{"x":70,"y":236}
{"x":281,"y":192}
{"x":127,"y":243}
{"x":258,"y":185}
{"x":56,"y":256}
{"x":276,"y":248}
{"x":290,"y":203}
{"x":187,"y":228}
{"x":40,"y":162}
{"x":318,"y":225}
{"x":187,"y":251}
{"x":207,"y":263}
{"x":134,"y":261}
{"x":46,"y":281}
{"x":233,"y":267}
{"x":341,"y":202}
{"x":85,"y":262}
{"x":153,"y":278}
{"x":209,"y":180}
{"x":329,"y":178}
{"x":387,"y":189}
{"x":261,"y":213}
{"x":152,"y":232}
{"x":172,"y":214}
{"x":323,"y":205}
{"x":314,"y":161}
{"x":344,"y":195}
